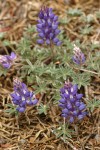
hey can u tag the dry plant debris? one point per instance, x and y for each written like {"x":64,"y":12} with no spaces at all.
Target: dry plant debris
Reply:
{"x":31,"y":131}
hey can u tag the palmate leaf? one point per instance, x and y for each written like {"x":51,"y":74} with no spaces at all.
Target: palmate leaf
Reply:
{"x":65,"y":72}
{"x":41,"y":88}
{"x":74,"y":12}
{"x":68,"y":44}
{"x":94,"y":62}
{"x":31,"y":29}
{"x":87,"y":18}
{"x":41,"y":53}
{"x":65,"y":20}
{"x":87,"y":30}
{"x":63,"y":132}
{"x":3,"y":71}
{"x":11,"y":109}
{"x":42,"y":69}
{"x":92,"y":104}
{"x":31,"y":79}
{"x":10,"y":105}
{"x":56,"y":97}
{"x":42,"y":109}
{"x":24,"y":47}
{"x":82,"y":79}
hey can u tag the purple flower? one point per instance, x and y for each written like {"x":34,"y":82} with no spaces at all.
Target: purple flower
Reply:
{"x":47,"y":27}
{"x":22,"y":96}
{"x":78,"y":57}
{"x":72,"y":106}
{"x":7,"y":60}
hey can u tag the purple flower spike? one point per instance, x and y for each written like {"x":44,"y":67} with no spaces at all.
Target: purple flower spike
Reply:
{"x":72,"y":106}
{"x":7,"y":60}
{"x":47,"y":27}
{"x":21,"y":96}
{"x":78,"y":57}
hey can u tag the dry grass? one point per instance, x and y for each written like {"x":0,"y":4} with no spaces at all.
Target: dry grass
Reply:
{"x":32,"y":131}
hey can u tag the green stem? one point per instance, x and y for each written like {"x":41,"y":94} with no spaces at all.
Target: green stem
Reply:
{"x":52,"y":51}
{"x":64,"y":136}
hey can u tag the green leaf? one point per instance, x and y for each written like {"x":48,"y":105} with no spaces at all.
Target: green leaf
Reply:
{"x":74,"y":12}
{"x":88,"y":19}
{"x":86,"y":30}
{"x":31,"y":29}
{"x":3,"y":71}
{"x":41,"y":88}
{"x":11,"y":109}
{"x":6,"y":43}
{"x":64,"y":20}
{"x":92,"y":104}
{"x":1,"y":35}
{"x":42,"y":109}
{"x":95,"y":45}
{"x":98,"y":14}
{"x":82,"y":79}
{"x":63,"y":132}
{"x":24,"y":47}
{"x":30,"y":64}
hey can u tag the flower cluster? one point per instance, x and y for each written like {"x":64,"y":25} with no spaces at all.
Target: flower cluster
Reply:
{"x":22,"y":96}
{"x":47,"y":27}
{"x":72,"y":106}
{"x":78,"y":57}
{"x":7,"y":60}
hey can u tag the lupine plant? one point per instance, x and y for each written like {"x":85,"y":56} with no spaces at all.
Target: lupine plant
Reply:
{"x":47,"y":75}
{"x":21,"y":96}
{"x":6,"y":61}
{"x":47,"y":27}
{"x":78,"y":57}
{"x":72,"y":106}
